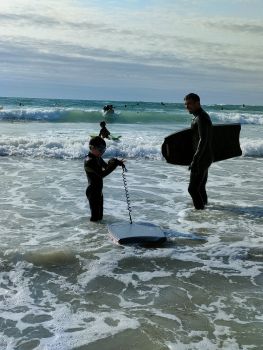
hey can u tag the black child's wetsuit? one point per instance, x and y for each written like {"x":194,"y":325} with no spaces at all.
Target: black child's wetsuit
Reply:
{"x":96,"y":169}
{"x":203,"y":157}
{"x":104,"y":133}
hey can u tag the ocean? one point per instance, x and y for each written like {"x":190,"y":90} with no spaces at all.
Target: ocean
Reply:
{"x":64,"y":284}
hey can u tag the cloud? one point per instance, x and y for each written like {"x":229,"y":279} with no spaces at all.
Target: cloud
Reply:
{"x":26,"y":20}
{"x":146,"y":44}
{"x":72,"y":63}
{"x":241,"y":27}
{"x":145,"y":34}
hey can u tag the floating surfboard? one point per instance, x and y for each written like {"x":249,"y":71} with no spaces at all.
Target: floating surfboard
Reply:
{"x":178,"y":147}
{"x":115,"y":138}
{"x":140,"y":233}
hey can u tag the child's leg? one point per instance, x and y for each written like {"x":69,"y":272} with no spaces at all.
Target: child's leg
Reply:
{"x":101,"y":207}
{"x":95,"y":209}
{"x":96,"y":205}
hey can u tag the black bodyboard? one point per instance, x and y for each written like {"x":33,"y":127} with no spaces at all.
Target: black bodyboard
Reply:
{"x":178,"y":147}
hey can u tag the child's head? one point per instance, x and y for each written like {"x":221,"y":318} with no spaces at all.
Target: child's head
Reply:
{"x":97,"y":146}
{"x":103,"y":124}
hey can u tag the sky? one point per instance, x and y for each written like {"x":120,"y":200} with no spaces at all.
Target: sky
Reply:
{"x":154,"y":50}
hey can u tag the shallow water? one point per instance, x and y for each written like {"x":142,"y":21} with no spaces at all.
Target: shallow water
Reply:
{"x":65,"y":285}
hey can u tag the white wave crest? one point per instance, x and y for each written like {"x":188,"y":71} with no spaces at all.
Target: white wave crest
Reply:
{"x":252,"y":148}
{"x":75,"y":147}
{"x":72,"y":148}
{"x":242,"y":118}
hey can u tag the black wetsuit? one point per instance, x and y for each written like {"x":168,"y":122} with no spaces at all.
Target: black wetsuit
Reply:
{"x":96,"y":169}
{"x":104,"y":133}
{"x":203,"y":157}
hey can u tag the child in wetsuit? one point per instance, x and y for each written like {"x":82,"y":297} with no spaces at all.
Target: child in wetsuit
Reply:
{"x":96,"y":169}
{"x":104,"y":132}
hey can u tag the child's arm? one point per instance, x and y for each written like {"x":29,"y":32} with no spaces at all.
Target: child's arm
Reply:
{"x":110,"y":166}
{"x":92,"y":167}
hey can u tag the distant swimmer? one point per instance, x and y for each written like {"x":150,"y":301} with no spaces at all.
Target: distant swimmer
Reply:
{"x":1,"y":107}
{"x":163,"y":104}
{"x":104,"y":132}
{"x":203,"y":155}
{"x":108,"y":108}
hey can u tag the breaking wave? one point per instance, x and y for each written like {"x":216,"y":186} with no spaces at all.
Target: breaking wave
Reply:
{"x":77,"y":148}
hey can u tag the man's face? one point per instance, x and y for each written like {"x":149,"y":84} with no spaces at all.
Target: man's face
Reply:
{"x":191,"y":105}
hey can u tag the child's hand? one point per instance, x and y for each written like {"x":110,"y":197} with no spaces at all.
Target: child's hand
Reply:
{"x":116,"y":161}
{"x":120,"y":162}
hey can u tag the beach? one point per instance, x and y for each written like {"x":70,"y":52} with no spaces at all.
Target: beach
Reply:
{"x":65,"y":285}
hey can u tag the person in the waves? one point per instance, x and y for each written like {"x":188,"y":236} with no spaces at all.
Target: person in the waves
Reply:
{"x":104,"y":132}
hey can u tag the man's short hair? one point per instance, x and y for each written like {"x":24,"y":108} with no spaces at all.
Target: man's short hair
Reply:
{"x":192,"y":96}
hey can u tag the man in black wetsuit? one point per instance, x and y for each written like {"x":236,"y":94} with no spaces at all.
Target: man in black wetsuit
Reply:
{"x":203,"y":155}
{"x":96,"y":169}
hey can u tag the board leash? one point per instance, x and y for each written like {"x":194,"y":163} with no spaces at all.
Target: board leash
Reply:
{"x":124,"y":170}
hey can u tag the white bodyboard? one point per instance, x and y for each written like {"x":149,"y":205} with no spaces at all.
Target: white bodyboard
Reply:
{"x":126,"y":233}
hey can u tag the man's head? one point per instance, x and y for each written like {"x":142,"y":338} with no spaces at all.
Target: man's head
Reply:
{"x":102,"y":124}
{"x":97,"y":146}
{"x":192,"y":102}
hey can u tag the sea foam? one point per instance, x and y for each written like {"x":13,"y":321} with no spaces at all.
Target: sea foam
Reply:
{"x":66,"y":147}
{"x":252,"y":148}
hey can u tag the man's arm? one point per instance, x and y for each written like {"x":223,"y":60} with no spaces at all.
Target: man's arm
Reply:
{"x":203,"y":141}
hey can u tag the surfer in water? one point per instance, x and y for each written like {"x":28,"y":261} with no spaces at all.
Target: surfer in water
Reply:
{"x":203,"y":155}
{"x":96,"y":169}
{"x":104,"y":132}
{"x":108,"y":109}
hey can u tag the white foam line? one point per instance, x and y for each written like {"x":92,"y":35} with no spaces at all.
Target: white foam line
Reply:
{"x":167,"y":316}
{"x":223,"y":340}
{"x":94,"y":326}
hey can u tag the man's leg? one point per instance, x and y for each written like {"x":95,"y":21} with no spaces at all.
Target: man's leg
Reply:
{"x":194,"y":188}
{"x":202,"y":187}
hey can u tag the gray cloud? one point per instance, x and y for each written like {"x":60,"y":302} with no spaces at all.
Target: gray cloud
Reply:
{"x":142,"y":56}
{"x":54,"y":74}
{"x":28,"y":60}
{"x":253,"y":28}
{"x":156,"y":48}
{"x":48,"y":21}
{"x":204,"y":58}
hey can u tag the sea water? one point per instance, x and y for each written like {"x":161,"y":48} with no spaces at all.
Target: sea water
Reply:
{"x":65,"y":285}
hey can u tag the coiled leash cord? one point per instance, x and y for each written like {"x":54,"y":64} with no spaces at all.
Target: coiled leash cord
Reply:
{"x":124,"y":170}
